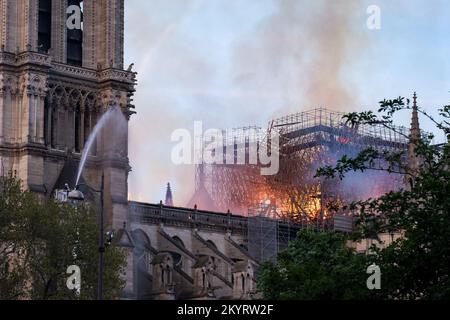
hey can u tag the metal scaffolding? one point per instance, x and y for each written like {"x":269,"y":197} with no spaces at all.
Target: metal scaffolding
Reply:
{"x":268,"y":232}
{"x":308,"y":141}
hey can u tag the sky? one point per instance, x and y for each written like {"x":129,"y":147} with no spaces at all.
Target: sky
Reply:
{"x":234,"y":63}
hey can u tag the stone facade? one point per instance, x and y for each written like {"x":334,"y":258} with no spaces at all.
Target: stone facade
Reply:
{"x":50,"y":100}
{"x":176,"y":253}
{"x":55,"y":84}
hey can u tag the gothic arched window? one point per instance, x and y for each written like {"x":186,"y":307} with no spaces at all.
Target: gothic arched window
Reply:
{"x":78,"y":137}
{"x":47,"y":122}
{"x":53,"y":126}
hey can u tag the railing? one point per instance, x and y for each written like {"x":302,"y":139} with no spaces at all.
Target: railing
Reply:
{"x":108,"y":74}
{"x":24,"y":58}
{"x":334,"y":119}
{"x":154,"y":214}
{"x":30,"y":57}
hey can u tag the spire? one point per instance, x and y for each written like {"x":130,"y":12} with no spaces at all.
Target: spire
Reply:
{"x":169,"y":197}
{"x":414,"y":136}
{"x":415,"y":126}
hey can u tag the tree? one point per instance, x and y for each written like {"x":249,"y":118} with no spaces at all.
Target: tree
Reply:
{"x":40,"y":239}
{"x":316,"y":266}
{"x":416,"y":266}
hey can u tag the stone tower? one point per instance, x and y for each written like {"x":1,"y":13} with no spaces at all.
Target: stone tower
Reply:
{"x":55,"y":83}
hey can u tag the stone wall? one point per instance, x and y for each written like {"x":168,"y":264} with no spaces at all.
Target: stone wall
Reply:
{"x":187,"y":254}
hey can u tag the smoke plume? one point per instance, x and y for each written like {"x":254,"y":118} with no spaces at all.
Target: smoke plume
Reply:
{"x":292,"y":55}
{"x":303,"y":54}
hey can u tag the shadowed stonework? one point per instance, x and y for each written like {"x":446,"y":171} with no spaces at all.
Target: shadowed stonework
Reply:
{"x":51,"y":96}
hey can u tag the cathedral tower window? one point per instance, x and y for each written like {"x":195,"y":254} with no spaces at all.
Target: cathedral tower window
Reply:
{"x":45,"y":26}
{"x":75,"y":39}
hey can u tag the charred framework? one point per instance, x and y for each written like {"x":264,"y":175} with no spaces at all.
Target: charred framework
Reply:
{"x":308,"y":141}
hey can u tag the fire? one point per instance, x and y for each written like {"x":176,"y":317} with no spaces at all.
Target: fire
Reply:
{"x":304,"y":204}
{"x":308,"y":141}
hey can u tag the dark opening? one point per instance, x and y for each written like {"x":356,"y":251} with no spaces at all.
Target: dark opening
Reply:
{"x":48,"y":123}
{"x":87,"y":130}
{"x":78,"y":130}
{"x":75,"y":39}
{"x":47,"y":135}
{"x":45,"y":26}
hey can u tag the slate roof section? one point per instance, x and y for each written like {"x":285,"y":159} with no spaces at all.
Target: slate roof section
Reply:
{"x":68,"y":175}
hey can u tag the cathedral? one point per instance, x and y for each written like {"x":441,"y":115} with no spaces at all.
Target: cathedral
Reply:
{"x":55,"y":84}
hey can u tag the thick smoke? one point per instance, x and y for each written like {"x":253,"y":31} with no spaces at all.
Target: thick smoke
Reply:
{"x":165,"y":64}
{"x":296,"y":56}
{"x":302,"y":53}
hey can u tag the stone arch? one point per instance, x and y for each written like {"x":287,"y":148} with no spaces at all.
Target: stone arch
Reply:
{"x":75,"y":94}
{"x":90,"y":113}
{"x":55,"y":98}
{"x":37,"y":86}
{"x":212,"y":244}
{"x":89,"y":99}
{"x":76,"y":120}
{"x":141,"y":239}
{"x":143,"y":259}
{"x":58,"y":92}
{"x":178,"y":241}
{"x":36,"y":83}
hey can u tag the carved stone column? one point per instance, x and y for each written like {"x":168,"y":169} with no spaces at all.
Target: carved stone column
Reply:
{"x":81,"y":124}
{"x":25,"y":116}
{"x":2,"y":106}
{"x":56,"y":128}
{"x":48,"y":119}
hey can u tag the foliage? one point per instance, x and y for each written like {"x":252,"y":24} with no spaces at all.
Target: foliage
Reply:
{"x":316,"y":266}
{"x":40,"y":239}
{"x":417,"y":264}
